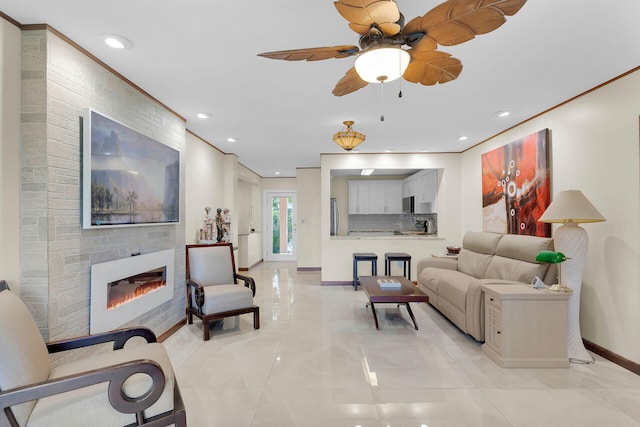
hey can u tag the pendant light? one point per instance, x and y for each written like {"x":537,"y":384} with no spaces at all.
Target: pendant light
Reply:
{"x":348,"y":139}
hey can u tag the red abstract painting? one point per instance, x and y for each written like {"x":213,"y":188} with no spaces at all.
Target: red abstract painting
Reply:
{"x":516,"y":186}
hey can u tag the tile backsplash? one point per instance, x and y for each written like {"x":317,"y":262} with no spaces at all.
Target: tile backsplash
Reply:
{"x":389,"y":222}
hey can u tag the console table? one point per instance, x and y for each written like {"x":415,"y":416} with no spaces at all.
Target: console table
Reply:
{"x":525,"y":327}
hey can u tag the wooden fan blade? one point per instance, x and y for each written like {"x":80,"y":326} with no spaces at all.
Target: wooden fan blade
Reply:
{"x":425,"y":44}
{"x":351,"y":82}
{"x":429,"y":68}
{"x":312,"y":53}
{"x":457,"y":21}
{"x":362,"y":14}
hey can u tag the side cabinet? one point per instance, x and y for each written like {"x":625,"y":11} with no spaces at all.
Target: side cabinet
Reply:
{"x":525,"y":327}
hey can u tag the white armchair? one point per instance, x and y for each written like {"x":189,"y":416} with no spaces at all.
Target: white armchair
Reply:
{"x":213,"y":292}
{"x":124,"y":387}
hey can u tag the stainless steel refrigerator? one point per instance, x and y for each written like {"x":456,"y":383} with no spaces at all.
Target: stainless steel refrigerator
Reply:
{"x":335,"y":217}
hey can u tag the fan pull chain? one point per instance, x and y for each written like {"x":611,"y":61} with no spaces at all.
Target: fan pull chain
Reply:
{"x":382,"y":101}
{"x":400,"y":79}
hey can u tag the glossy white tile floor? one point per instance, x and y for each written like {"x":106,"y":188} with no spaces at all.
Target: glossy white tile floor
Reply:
{"x":318,"y":360}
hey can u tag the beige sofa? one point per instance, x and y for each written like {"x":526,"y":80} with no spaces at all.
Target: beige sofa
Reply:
{"x":453,"y":285}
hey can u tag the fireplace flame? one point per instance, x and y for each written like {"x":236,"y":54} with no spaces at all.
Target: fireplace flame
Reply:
{"x":141,"y":289}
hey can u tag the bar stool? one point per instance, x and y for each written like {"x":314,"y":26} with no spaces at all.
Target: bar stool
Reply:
{"x":389,"y":257}
{"x":364,"y":256}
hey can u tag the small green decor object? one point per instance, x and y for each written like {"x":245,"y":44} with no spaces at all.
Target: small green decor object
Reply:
{"x":552,"y":257}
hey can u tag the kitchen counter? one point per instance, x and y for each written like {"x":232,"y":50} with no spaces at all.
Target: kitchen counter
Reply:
{"x":360,"y":235}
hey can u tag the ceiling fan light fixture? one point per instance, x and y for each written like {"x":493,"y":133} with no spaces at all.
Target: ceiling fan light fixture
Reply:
{"x":348,"y":139}
{"x":382,"y":64}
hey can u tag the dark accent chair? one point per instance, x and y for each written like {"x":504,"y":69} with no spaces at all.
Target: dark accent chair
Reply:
{"x":213,"y":292}
{"x":133,"y":386}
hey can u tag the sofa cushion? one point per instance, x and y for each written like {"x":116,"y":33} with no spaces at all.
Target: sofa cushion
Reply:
{"x":481,"y":242}
{"x":515,"y":258}
{"x":521,"y":247}
{"x":511,"y":269}
{"x":476,"y":253}
{"x":472,"y":263}
{"x":454,"y":286}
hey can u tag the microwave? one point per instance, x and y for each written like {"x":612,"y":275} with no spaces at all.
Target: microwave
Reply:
{"x":408,"y":204}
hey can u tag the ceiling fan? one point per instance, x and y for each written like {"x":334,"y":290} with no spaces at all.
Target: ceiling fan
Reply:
{"x":383,"y":33}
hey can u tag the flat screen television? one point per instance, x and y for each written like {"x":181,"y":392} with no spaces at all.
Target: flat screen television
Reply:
{"x":128,"y":178}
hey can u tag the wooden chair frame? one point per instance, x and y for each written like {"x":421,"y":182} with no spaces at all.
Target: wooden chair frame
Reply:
{"x":115,"y":375}
{"x":196,"y":290}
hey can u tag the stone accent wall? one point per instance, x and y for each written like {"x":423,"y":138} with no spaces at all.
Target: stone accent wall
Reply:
{"x":33,"y":178}
{"x":59,"y":84}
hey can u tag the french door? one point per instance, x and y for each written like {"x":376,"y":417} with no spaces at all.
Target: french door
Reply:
{"x":280,"y":220}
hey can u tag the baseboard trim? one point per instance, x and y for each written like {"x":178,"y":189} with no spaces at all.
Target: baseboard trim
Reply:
{"x":172,"y":330}
{"x":309,"y":269}
{"x":251,"y":266}
{"x":335,"y":283}
{"x":613,"y":357}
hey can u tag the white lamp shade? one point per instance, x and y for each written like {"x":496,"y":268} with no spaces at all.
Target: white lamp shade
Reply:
{"x":571,"y":206}
{"x":382,"y":64}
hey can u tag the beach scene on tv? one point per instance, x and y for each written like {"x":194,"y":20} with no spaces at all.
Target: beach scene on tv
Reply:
{"x":134,"y":179}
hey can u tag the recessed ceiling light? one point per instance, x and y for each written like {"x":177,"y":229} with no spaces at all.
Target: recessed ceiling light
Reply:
{"x":425,"y":150}
{"x":502,"y":113}
{"x":202,"y":115}
{"x":388,"y":150}
{"x":277,"y":173}
{"x":116,"y":41}
{"x":462,"y":138}
{"x":230,"y":139}
{"x":366,"y":172}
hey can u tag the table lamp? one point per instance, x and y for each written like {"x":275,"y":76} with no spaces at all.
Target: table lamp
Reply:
{"x":570,"y":208}
{"x":551,"y":257}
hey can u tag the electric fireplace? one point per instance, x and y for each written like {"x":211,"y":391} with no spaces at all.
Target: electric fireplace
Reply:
{"x":127,"y":288}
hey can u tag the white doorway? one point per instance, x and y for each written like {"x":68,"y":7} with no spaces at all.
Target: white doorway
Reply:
{"x":280,"y":221}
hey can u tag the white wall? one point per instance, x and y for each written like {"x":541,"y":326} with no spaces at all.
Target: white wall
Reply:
{"x":203,"y":175}
{"x":594,"y":148}
{"x":217,"y":180}
{"x":308,"y":217}
{"x":249,"y":203}
{"x":337,"y":253}
{"x":10,"y":154}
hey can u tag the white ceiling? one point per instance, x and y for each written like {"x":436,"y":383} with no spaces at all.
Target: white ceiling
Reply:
{"x":201,"y":56}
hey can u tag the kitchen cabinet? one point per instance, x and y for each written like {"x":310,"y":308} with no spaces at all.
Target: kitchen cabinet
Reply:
{"x":423,"y":186}
{"x":358,"y":197}
{"x":408,"y":187}
{"x":385,"y":197}
{"x":375,"y":197}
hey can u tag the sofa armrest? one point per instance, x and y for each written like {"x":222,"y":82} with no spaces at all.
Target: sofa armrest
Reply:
{"x":446,"y":263}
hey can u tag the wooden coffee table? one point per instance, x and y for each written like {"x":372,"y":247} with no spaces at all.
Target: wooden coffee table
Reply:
{"x":407,"y":293}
